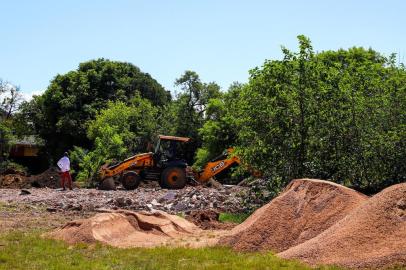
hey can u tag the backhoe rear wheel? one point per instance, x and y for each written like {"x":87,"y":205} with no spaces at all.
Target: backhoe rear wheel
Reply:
{"x":130,"y":180}
{"x":173,"y":178}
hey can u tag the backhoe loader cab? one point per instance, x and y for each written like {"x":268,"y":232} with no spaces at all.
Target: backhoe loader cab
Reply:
{"x":169,"y":148}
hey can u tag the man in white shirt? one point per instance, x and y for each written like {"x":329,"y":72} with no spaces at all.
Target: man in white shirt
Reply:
{"x":64,"y":166}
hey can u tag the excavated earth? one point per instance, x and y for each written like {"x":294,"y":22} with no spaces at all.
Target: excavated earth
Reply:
{"x":208,"y":220}
{"x":124,"y":229}
{"x":49,"y":178}
{"x":305,"y":209}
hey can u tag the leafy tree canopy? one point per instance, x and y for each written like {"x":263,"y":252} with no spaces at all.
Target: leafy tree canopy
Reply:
{"x":336,"y":115}
{"x":118,"y":131}
{"x":188,"y":112}
{"x":61,"y":114}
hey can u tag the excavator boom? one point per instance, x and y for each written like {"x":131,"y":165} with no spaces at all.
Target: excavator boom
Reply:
{"x":215,"y":167}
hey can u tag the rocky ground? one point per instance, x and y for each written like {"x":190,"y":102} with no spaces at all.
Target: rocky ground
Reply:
{"x":224,"y":199}
{"x":45,"y":208}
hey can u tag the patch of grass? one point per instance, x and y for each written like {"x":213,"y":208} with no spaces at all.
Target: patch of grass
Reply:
{"x":29,"y":251}
{"x":234,"y":218}
{"x":8,"y":207}
{"x":180,"y":214}
{"x":14,"y":207}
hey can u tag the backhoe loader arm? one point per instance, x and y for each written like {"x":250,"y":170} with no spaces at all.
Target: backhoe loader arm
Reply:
{"x":134,"y":162}
{"x":215,"y":167}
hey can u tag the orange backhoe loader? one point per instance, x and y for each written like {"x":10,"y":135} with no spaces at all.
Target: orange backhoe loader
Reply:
{"x":165,"y":165}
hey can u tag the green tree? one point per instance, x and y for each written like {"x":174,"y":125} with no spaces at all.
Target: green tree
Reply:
{"x":189,"y":111}
{"x":134,"y":122}
{"x":61,"y":114}
{"x":336,"y":115}
{"x":219,"y":131}
{"x":118,"y":131}
{"x":10,"y":100}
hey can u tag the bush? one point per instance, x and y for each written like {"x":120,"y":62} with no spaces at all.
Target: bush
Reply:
{"x":10,"y":167}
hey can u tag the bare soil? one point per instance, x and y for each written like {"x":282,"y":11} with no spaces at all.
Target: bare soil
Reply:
{"x":208,"y":220}
{"x":26,"y":217}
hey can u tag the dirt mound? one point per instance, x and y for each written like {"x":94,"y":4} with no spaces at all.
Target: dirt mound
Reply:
{"x":371,"y":236}
{"x":123,"y":228}
{"x":306,"y":208}
{"x":208,"y":220}
{"x":49,"y":178}
{"x":14,"y":181}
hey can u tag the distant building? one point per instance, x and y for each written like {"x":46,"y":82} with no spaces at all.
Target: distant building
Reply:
{"x":26,"y":147}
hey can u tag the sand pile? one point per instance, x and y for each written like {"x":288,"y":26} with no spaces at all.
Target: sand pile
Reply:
{"x":304,"y":210}
{"x":123,"y":228}
{"x":372,"y":236}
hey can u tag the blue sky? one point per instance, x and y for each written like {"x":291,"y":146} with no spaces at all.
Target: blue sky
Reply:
{"x":220,"y":40}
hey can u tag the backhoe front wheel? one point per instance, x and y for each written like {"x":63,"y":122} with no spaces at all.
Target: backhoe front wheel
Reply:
{"x":173,"y":178}
{"x":107,"y":184}
{"x":130,"y":180}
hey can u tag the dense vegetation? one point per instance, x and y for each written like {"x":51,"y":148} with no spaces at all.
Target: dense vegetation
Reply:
{"x":338,"y":115}
{"x":10,"y":100}
{"x":60,"y":115}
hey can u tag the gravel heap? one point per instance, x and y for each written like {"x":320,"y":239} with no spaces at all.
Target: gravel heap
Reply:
{"x":305,"y":209}
{"x":371,"y":236}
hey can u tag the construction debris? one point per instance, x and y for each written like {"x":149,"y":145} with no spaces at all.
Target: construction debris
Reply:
{"x":49,"y":178}
{"x":24,"y":192}
{"x":14,"y":181}
{"x":226,"y":199}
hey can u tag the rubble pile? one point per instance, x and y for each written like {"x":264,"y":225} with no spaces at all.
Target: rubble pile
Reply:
{"x":224,"y":199}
